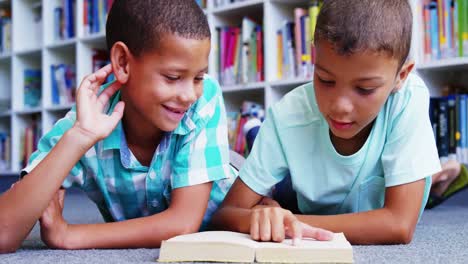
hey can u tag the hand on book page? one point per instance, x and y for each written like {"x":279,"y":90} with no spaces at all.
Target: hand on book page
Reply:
{"x":276,"y":223}
{"x":225,"y":246}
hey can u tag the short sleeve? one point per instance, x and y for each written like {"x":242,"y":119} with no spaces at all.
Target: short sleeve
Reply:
{"x":410,"y":153}
{"x":45,"y":145}
{"x":204,"y":152}
{"x":266,"y":164}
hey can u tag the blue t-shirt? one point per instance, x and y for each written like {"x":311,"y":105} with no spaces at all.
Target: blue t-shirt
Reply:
{"x":294,"y":140}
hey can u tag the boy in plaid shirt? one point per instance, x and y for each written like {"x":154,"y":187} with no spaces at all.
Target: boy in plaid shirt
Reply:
{"x":151,"y":148}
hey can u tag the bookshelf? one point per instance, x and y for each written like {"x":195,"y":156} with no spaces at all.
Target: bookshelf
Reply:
{"x":35,"y":45}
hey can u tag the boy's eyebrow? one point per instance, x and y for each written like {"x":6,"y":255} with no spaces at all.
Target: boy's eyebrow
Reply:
{"x":363,"y":79}
{"x":186,"y":70}
{"x":323,"y":69}
{"x":372,"y":78}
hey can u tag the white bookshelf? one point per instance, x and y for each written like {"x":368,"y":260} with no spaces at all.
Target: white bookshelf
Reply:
{"x":34,"y":46}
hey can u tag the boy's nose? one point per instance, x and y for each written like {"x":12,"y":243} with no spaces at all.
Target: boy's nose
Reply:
{"x":188,"y":95}
{"x":342,"y":105}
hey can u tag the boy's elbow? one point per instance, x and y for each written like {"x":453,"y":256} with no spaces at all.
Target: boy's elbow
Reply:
{"x":7,"y":242}
{"x":187,"y":227}
{"x":403,"y":233}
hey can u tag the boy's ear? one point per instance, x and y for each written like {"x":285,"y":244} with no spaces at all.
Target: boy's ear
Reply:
{"x":120,"y":59}
{"x":403,"y":74}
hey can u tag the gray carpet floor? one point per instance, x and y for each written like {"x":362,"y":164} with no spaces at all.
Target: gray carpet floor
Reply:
{"x":441,"y":237}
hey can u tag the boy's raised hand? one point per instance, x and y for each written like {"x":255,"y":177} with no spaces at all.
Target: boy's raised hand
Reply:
{"x":90,"y":119}
{"x":275,"y":223}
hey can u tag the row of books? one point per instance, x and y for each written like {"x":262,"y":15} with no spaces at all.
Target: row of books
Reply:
{"x":243,"y":126}
{"x":64,"y":17}
{"x":240,"y":53}
{"x":29,"y":139}
{"x":95,"y":15}
{"x":5,"y":30}
{"x":295,"y":47}
{"x":5,"y":151}
{"x":449,"y":117}
{"x":32,"y":87}
{"x":63,"y":81}
{"x":445,"y":29}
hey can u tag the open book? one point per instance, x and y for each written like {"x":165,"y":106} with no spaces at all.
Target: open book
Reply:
{"x":224,"y":246}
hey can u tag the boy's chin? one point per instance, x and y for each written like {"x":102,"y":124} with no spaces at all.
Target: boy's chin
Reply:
{"x":168,"y":127}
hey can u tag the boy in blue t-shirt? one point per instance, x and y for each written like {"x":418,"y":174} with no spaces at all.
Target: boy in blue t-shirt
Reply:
{"x":150,"y":149}
{"x":356,"y":143}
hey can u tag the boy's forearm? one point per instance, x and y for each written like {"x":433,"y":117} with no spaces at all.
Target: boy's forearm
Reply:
{"x":233,"y":219}
{"x":144,"y":232}
{"x":379,"y":226}
{"x":23,"y":204}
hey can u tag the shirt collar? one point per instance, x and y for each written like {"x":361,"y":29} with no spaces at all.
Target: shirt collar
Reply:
{"x":187,"y":124}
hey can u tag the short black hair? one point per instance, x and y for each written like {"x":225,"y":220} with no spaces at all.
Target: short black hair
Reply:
{"x":366,"y":25}
{"x":141,"y":24}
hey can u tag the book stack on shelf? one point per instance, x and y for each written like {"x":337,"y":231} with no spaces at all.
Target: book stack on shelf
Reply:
{"x":442,"y":63}
{"x":5,"y":150}
{"x":64,"y":20}
{"x":449,"y":118}
{"x":29,"y":139}
{"x":296,"y":52}
{"x":32,"y":88}
{"x":63,"y":78}
{"x":95,"y":15}
{"x":240,"y":57}
{"x":5,"y":29}
{"x":445,"y":33}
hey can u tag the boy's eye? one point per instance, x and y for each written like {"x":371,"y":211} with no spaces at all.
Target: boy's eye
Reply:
{"x":326,"y":82}
{"x":364,"y":91}
{"x":172,"y":78}
{"x":199,"y":78}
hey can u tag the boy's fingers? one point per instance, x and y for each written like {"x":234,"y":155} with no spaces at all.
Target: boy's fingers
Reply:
{"x":293,"y":227}
{"x":61,"y":197}
{"x":94,"y":80}
{"x":316,"y":233}
{"x":108,"y":92}
{"x":277,"y":228}
{"x":102,"y":73}
{"x":254,"y":226}
{"x":118,"y":113}
{"x":265,"y":227}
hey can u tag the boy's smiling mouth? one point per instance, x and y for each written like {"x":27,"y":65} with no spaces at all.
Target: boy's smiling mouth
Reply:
{"x":175,"y":110}
{"x":175,"y":114}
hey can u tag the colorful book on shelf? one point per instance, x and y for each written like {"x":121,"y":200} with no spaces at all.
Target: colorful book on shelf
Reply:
{"x":95,"y":15}
{"x":5,"y":30}
{"x":448,"y":116}
{"x":5,"y":150}
{"x":444,"y":28}
{"x":32,"y":87}
{"x":225,"y":246}
{"x":63,"y":84}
